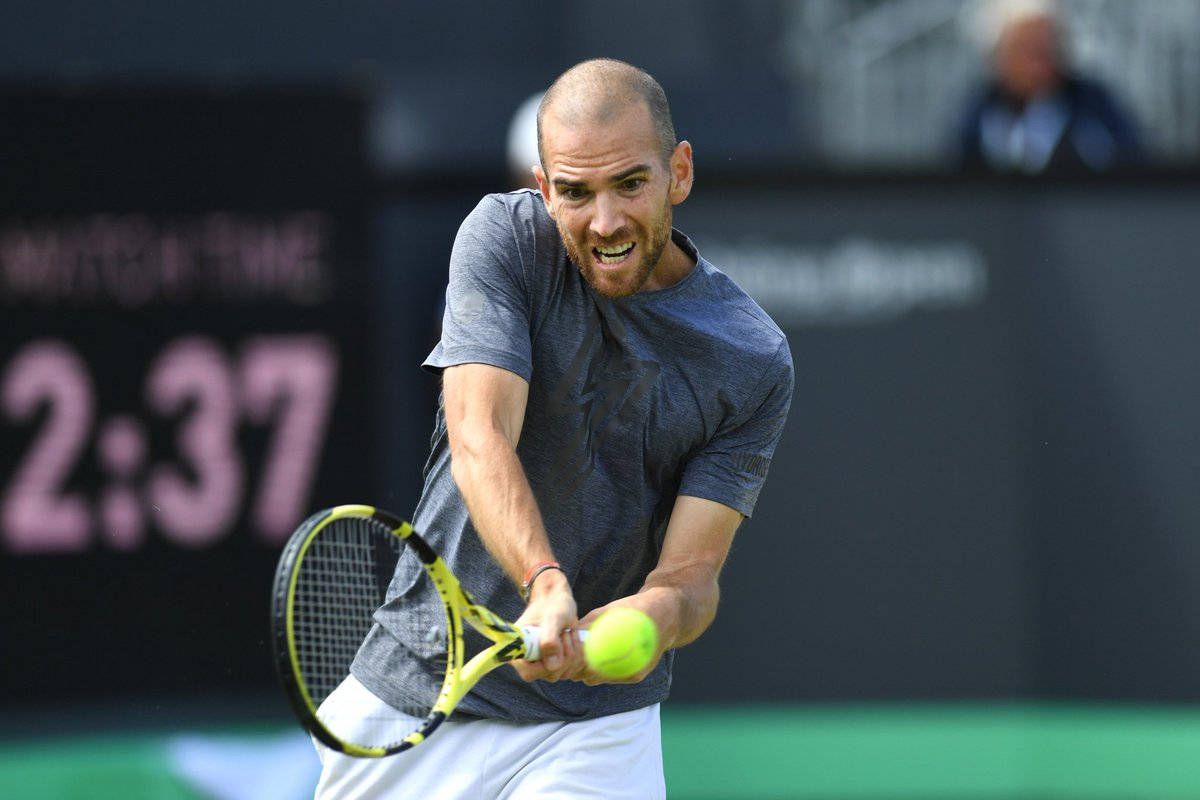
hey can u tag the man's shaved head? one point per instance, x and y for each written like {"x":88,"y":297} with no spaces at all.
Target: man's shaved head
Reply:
{"x":600,"y":91}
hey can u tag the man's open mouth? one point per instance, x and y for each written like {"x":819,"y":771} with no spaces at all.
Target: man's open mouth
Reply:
{"x":614,"y":254}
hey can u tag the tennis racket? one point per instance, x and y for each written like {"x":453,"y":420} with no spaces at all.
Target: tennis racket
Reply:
{"x":332,"y":576}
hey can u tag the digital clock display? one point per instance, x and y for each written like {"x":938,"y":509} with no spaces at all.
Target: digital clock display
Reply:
{"x":182,"y":380}
{"x":75,"y":404}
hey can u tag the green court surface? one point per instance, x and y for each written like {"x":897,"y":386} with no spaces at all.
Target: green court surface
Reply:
{"x":1043,"y":752}
{"x":132,"y":767}
{"x":1058,"y":752}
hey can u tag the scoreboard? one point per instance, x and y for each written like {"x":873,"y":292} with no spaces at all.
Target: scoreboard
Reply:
{"x":182,"y":287}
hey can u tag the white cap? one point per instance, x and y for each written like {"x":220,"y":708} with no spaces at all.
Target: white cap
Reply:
{"x":987,"y":20}
{"x":522,"y":136}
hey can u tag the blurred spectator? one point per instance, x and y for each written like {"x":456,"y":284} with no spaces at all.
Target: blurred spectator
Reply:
{"x":522,"y":143}
{"x":1034,"y":115}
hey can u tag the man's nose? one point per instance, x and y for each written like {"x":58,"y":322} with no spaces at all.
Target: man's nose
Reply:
{"x":608,"y":217}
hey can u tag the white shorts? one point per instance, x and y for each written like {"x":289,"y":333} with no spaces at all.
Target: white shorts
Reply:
{"x":609,"y":758}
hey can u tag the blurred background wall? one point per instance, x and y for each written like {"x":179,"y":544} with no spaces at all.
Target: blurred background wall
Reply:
{"x":816,"y":83}
{"x":223,"y":237}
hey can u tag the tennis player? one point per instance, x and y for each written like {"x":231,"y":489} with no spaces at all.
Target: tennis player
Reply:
{"x":610,"y":405}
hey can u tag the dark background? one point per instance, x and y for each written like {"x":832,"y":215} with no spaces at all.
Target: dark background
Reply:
{"x":989,"y":494}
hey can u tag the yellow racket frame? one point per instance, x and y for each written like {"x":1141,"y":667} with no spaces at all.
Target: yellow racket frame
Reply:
{"x":509,"y":641}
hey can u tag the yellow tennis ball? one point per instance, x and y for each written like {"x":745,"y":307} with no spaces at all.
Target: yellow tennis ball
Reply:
{"x":621,"y":642}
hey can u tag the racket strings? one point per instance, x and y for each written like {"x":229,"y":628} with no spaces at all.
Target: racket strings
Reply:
{"x":417,"y":619}
{"x":343,"y":580}
{"x":337,"y":572}
{"x":337,"y":592}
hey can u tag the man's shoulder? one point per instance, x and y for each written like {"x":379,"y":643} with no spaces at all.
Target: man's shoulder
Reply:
{"x":515,"y":223}
{"x":740,"y":313}
{"x":517,"y":206}
{"x":724,"y":316}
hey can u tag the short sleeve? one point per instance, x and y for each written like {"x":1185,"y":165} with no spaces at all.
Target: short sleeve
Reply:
{"x":486,"y":319}
{"x":732,"y":468}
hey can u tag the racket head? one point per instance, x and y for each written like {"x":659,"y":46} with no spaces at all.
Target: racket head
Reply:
{"x":332,"y":575}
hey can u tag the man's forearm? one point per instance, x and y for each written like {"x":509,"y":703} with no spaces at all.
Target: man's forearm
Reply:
{"x":682,"y":591}
{"x":683,"y":603}
{"x":503,"y":507}
{"x":501,"y":503}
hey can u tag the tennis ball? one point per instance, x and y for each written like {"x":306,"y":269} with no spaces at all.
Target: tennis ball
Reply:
{"x":620,"y":642}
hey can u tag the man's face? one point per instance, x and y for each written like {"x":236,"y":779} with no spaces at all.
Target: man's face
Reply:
{"x":611,"y":195}
{"x":1027,"y":57}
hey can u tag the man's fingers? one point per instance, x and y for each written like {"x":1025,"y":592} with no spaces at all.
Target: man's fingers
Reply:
{"x":550,"y":643}
{"x":566,"y":662}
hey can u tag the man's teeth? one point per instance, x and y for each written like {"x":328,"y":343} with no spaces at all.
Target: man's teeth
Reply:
{"x":609,"y":255}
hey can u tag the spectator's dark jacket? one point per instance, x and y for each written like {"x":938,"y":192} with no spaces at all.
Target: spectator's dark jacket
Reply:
{"x":1097,"y":135}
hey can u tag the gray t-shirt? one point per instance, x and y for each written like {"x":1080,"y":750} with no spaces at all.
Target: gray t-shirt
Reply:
{"x":632,"y":402}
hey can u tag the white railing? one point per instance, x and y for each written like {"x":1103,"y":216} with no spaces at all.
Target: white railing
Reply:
{"x":887,"y":78}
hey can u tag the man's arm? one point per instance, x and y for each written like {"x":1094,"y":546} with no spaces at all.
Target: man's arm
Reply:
{"x":681,"y":593}
{"x":485,"y":410}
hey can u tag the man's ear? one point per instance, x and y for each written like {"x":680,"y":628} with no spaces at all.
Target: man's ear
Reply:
{"x":539,"y":175}
{"x":682,"y":173}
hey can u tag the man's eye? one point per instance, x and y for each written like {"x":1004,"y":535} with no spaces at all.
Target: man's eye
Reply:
{"x":632,"y":183}
{"x":573,"y":193}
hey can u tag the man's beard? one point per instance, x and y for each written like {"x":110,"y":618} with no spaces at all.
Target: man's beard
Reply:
{"x":610,"y":285}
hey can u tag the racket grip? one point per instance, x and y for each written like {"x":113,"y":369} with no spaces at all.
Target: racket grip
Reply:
{"x":533,"y":648}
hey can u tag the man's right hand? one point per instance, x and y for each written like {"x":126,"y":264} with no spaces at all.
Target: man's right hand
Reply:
{"x":552,"y":610}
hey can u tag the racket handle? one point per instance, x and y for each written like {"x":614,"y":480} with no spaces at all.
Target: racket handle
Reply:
{"x":533,"y":648}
